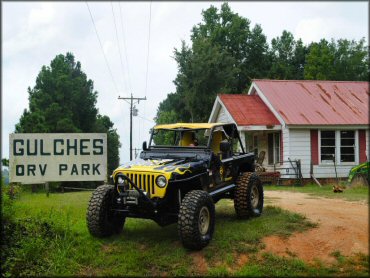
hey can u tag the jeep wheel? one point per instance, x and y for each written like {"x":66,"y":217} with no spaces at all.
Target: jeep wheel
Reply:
{"x":248,"y":196}
{"x":101,"y":221}
{"x":196,"y":220}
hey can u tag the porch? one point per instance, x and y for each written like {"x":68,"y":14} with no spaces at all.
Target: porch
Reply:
{"x":268,"y":146}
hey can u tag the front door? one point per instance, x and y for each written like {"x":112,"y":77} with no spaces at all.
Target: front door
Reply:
{"x":273,"y":148}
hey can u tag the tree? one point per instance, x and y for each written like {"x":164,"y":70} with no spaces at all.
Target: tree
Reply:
{"x":340,"y":60}
{"x":320,"y":61}
{"x":64,"y":100}
{"x":287,"y":57}
{"x":105,"y":125}
{"x":218,"y":61}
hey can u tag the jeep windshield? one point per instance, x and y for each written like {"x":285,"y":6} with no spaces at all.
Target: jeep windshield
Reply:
{"x":180,"y":137}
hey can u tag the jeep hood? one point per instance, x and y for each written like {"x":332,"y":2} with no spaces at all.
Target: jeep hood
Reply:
{"x":179,"y":166}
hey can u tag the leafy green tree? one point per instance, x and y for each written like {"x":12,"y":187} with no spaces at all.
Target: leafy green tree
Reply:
{"x":105,"y":125}
{"x":320,"y":61}
{"x":64,"y":100}
{"x":223,"y":58}
{"x":287,"y":57}
{"x":340,"y":60}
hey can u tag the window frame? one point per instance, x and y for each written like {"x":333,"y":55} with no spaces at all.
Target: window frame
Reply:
{"x":275,"y":137}
{"x":337,"y":148}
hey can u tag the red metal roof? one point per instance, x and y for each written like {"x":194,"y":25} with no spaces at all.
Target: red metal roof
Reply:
{"x":303,"y":102}
{"x":248,"y":110}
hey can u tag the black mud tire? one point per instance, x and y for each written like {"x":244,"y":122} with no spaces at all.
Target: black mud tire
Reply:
{"x":196,"y":209}
{"x":248,"y":196}
{"x":101,"y":221}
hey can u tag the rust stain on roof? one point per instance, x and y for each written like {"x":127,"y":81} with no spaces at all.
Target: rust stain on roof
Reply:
{"x":304,"y":117}
{"x":322,"y":116}
{"x":304,"y":88}
{"x":283,"y":114}
{"x":324,"y":91}
{"x":356,"y":97}
{"x":324,"y":99}
{"x":346,"y":103}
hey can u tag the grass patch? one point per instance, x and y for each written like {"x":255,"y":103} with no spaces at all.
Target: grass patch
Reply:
{"x":349,"y":194}
{"x":271,"y":265}
{"x":50,"y":238}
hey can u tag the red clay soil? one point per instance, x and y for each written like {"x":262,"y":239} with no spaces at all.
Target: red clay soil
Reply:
{"x":342,"y":226}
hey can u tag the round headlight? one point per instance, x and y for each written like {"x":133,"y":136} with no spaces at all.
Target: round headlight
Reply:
{"x":120,"y":180}
{"x":161,"y":181}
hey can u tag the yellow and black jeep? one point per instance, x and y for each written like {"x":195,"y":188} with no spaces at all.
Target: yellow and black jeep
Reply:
{"x":180,"y":175}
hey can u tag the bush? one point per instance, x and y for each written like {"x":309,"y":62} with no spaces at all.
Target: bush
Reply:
{"x":12,"y":191}
{"x":28,"y":243}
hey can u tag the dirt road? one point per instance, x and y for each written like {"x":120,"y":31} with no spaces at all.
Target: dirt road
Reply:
{"x":342,"y":226}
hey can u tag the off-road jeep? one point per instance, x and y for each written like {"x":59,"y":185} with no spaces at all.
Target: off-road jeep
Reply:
{"x":180,"y":175}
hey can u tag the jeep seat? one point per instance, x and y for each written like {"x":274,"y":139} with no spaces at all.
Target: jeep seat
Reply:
{"x":217,"y":137}
{"x":186,"y":138}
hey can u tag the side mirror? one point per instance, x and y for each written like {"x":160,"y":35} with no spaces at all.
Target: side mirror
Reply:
{"x":225,"y":146}
{"x":145,"y":147}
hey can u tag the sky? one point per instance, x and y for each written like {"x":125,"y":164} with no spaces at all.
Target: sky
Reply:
{"x":33,"y":33}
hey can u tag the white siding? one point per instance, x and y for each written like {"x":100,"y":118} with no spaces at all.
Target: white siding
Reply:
{"x":286,"y":143}
{"x":298,"y":148}
{"x":222,"y":116}
{"x":328,"y":171}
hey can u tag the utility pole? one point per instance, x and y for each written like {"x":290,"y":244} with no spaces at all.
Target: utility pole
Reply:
{"x":131,"y":114}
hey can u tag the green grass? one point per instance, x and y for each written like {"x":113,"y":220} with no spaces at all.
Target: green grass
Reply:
{"x":349,"y":194}
{"x":51,"y":238}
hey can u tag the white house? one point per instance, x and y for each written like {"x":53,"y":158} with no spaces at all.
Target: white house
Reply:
{"x":310,"y":121}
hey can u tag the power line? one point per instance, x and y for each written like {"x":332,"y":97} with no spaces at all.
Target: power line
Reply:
{"x":119,"y":46}
{"x":147,"y":57}
{"x":101,"y":47}
{"x":145,"y":119}
{"x":125,"y":47}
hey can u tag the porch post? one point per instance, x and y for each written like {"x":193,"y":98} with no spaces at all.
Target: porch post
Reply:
{"x":242,"y":138}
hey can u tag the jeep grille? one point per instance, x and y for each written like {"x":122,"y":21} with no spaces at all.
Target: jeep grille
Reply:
{"x":145,"y":181}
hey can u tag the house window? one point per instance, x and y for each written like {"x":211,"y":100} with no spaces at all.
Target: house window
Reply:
{"x":347,"y":146}
{"x":340,"y":144}
{"x":327,"y":145}
{"x":273,"y":141}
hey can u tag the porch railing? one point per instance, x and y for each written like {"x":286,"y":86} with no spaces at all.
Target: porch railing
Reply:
{"x":290,"y":168}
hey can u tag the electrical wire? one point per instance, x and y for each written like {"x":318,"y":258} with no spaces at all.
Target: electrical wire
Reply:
{"x":147,"y":56}
{"x":125,"y":48}
{"x":101,"y":47}
{"x":119,"y":45}
{"x":145,"y":118}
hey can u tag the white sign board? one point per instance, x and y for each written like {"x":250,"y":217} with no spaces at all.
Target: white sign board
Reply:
{"x":48,"y":157}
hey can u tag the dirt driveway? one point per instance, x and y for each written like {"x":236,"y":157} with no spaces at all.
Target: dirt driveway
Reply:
{"x":342,"y":226}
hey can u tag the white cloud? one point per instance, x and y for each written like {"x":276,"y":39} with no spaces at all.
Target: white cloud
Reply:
{"x":314,"y":29}
{"x":41,"y":15}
